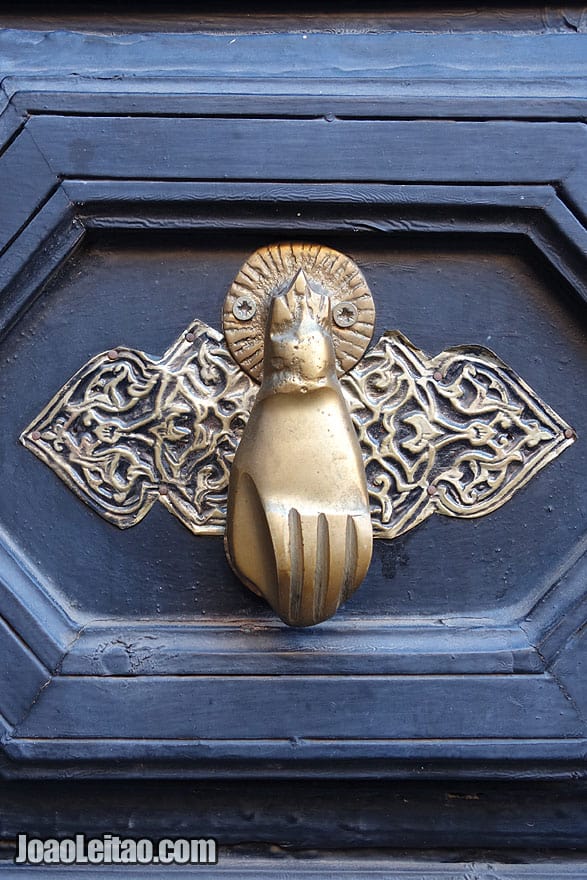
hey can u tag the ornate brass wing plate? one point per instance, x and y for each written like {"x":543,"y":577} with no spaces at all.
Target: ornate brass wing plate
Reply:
{"x":289,"y":437}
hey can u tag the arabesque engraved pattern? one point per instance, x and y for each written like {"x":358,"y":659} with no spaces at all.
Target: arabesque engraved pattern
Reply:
{"x":128,"y":430}
{"x":456,"y":434}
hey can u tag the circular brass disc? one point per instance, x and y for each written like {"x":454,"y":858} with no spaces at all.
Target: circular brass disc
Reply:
{"x":269,"y":272}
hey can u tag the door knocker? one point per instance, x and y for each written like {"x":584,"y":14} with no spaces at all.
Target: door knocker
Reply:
{"x":289,"y":437}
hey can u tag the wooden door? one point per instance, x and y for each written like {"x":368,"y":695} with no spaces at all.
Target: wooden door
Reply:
{"x":143,"y":689}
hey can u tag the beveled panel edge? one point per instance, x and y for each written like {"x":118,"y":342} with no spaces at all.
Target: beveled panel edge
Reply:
{"x":245,"y":648}
{"x":557,"y":758}
{"x":67,"y":226}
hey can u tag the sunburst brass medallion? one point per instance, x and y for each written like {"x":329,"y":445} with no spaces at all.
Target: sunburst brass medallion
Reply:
{"x":289,"y":437}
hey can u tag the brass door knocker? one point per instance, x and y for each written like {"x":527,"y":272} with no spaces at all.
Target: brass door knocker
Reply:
{"x":290,"y":438}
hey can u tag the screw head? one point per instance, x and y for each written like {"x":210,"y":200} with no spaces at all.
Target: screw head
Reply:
{"x":345,"y":314}
{"x":113,"y":354}
{"x":244,"y":308}
{"x":432,"y":490}
{"x":190,"y":336}
{"x":36,"y":435}
{"x":569,"y":433}
{"x":163,"y":489}
{"x":438,"y":377}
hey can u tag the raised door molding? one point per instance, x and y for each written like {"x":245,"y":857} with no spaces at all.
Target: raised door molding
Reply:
{"x":128,"y":195}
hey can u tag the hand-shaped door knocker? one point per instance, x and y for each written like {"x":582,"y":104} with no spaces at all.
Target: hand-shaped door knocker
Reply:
{"x":290,"y":439}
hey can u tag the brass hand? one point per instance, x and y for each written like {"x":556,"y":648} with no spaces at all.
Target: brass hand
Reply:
{"x":298,"y":529}
{"x":456,"y":434}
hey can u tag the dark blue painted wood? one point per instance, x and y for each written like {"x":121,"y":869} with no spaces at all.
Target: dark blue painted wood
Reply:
{"x":426,"y":58}
{"x":298,"y":707}
{"x":37,"y":617}
{"x":254,"y":96}
{"x":22,"y":676}
{"x":48,"y":240}
{"x":269,"y":149}
{"x":493,"y":252}
{"x":22,"y":195}
{"x":347,"y":647}
{"x":306,"y":814}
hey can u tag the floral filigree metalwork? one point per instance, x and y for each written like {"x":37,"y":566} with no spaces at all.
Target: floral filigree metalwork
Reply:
{"x":457,"y":434}
{"x":128,"y":430}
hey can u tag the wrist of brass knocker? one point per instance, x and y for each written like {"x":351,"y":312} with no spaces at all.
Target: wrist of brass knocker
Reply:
{"x":292,"y":438}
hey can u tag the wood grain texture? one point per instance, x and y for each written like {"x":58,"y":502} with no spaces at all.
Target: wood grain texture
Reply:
{"x":134,"y":193}
{"x":22,"y":195}
{"x":324,"y":55}
{"x":305,"y":814}
{"x":271,"y":149}
{"x":21,"y":676}
{"x":383,"y":707}
{"x":132,"y":658}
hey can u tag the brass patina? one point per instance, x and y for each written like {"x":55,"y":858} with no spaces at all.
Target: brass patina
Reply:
{"x":335,"y":446}
{"x":298,"y":528}
{"x":268,"y":272}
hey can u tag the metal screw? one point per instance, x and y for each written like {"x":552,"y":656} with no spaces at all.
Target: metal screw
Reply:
{"x":432,"y":490}
{"x":569,"y":433}
{"x":190,"y":336}
{"x":345,"y":314}
{"x":438,"y":377}
{"x":163,"y":489}
{"x":113,"y":354}
{"x":244,"y":308}
{"x":36,"y":435}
